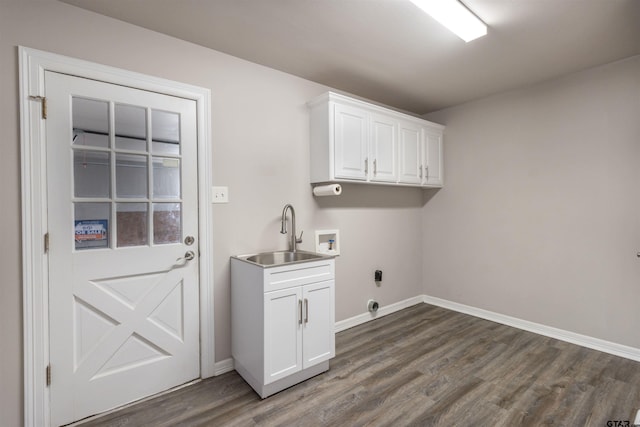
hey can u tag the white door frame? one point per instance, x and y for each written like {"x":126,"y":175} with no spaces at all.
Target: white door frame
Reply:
{"x":33,"y":64}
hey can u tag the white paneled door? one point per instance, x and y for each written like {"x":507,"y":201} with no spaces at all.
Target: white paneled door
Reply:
{"x":123,"y":250}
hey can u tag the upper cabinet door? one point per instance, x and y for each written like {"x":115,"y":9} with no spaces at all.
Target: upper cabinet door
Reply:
{"x":410,"y":153}
{"x":383,"y":149}
{"x":351,"y":148}
{"x":433,"y":169}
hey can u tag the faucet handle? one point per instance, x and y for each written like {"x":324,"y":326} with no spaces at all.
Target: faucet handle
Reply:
{"x":299,"y":239}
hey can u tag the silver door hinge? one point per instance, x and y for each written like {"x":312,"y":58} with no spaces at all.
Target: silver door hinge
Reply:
{"x":46,"y":243}
{"x":48,"y":375}
{"x":43,"y":100}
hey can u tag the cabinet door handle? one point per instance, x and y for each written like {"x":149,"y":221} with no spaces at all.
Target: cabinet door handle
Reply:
{"x":426,"y":171}
{"x":420,"y":171}
{"x":366,"y":166}
{"x":375,"y":166}
{"x":306,"y":310}
{"x":300,"y":307}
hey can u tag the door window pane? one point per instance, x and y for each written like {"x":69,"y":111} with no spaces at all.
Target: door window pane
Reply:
{"x":90,"y":122}
{"x":131,"y":176}
{"x":167,"y":223}
{"x":166,"y":178}
{"x":137,"y":132}
{"x":165,"y":132}
{"x":131,"y":127}
{"x":134,"y":144}
{"x":90,"y":139}
{"x":91,"y":225}
{"x":132,"y":224}
{"x":91,"y":173}
{"x":161,"y":147}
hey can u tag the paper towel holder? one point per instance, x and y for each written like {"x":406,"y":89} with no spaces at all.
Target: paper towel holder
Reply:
{"x":327,"y":190}
{"x":328,"y":242}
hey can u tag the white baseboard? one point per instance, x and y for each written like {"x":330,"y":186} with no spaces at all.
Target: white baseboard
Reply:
{"x":548,"y":331}
{"x":223,"y":366}
{"x":382,"y":311}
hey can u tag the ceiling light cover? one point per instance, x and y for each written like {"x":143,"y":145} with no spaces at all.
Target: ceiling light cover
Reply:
{"x":455,"y":16}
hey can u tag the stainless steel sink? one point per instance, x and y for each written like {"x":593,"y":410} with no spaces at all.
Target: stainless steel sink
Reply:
{"x":283,"y":257}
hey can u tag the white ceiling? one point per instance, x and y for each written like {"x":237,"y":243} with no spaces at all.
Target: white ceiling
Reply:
{"x":389,"y":51}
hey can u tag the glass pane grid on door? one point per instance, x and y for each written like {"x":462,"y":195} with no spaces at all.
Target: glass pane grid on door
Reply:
{"x":127,"y":175}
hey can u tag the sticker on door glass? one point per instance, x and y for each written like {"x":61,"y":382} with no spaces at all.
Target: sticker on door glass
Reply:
{"x":92,"y":233}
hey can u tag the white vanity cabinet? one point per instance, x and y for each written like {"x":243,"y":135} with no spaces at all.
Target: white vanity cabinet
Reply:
{"x":355,"y":141}
{"x":283,"y":322}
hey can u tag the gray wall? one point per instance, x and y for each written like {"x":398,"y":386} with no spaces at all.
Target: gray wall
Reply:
{"x":538,"y":219}
{"x":260,"y":150}
{"x":540,"y":215}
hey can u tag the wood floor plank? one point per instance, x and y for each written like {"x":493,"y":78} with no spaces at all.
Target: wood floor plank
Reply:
{"x":422,"y":366}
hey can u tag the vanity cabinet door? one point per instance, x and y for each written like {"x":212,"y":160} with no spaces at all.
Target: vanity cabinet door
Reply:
{"x":319,"y":323}
{"x":351,"y":143}
{"x":282,"y":333}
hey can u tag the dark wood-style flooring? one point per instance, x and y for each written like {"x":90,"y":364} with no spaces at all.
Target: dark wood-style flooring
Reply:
{"x":421,"y":366}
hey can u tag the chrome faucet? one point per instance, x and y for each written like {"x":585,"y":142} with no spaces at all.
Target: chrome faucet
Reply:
{"x":293,"y":240}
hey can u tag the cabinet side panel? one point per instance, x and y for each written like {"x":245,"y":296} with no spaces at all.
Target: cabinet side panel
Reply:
{"x":247,"y":314}
{"x":321,"y":153}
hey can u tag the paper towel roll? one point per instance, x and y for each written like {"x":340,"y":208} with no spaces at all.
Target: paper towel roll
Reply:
{"x":327,"y":190}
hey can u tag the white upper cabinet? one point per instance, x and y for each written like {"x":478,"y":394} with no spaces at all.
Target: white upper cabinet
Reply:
{"x":383,"y":149}
{"x":410,"y":153}
{"x":355,"y":141}
{"x":351,"y":142}
{"x":432,"y":175}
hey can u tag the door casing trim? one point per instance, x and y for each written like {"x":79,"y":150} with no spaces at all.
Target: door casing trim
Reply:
{"x":33,"y":64}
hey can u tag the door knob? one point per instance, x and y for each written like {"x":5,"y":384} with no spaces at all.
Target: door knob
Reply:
{"x":188,"y":256}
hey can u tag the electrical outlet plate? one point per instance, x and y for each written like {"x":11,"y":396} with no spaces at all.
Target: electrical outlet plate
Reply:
{"x":219,"y":194}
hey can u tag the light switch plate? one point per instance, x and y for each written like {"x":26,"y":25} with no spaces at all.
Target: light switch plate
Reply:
{"x":219,"y":194}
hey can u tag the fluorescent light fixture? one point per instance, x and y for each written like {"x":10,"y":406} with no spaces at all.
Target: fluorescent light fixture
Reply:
{"x":455,"y":16}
